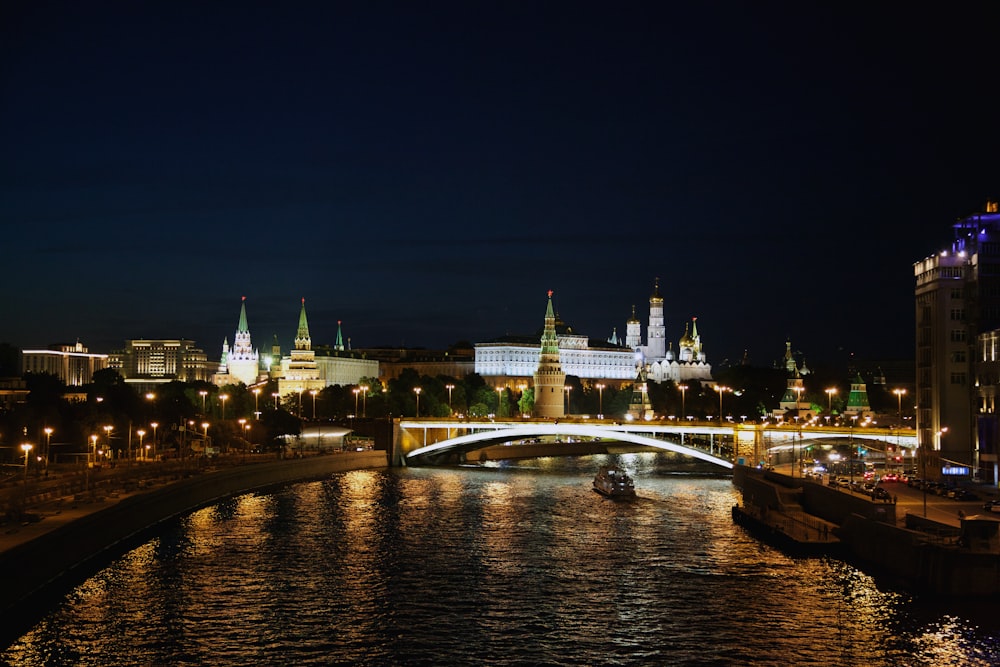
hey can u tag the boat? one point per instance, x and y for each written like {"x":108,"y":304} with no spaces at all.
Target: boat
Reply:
{"x":614,"y":482}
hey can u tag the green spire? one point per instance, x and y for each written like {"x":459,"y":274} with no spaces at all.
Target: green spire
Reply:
{"x":242,"y":327}
{"x":303,"y":332}
{"x":550,"y":344}
{"x":339,"y":345}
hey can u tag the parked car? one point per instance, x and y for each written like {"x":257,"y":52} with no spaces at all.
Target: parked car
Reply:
{"x":878,"y":493}
{"x":992,"y":506}
{"x":965,"y":494}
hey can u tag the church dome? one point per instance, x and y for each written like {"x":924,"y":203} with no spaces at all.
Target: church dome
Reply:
{"x":686,"y":340}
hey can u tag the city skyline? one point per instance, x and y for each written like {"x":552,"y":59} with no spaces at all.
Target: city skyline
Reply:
{"x":425,"y":175}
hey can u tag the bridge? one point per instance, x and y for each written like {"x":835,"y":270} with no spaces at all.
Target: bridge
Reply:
{"x":449,"y":441}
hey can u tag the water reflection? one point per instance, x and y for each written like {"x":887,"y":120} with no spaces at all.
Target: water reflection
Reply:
{"x":520,"y":563}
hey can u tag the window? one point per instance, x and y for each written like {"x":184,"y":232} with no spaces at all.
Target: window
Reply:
{"x":958,"y":335}
{"x":958,"y":378}
{"x":958,"y":356}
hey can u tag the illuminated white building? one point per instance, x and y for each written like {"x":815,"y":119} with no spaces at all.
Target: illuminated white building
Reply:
{"x":241,"y":363}
{"x":72,"y":364}
{"x":514,"y":357}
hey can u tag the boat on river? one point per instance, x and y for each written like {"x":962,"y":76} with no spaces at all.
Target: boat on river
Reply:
{"x":614,"y":482}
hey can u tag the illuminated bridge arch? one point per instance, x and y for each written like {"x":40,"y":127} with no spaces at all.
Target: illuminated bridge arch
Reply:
{"x":488,"y":435}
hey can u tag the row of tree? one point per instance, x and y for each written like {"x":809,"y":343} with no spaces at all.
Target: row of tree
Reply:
{"x":182,"y":410}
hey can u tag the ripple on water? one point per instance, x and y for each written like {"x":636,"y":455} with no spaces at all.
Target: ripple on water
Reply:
{"x":505,"y":566}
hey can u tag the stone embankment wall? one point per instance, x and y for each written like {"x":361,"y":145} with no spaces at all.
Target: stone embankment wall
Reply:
{"x":37,"y":571}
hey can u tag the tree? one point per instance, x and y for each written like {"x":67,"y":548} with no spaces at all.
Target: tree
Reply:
{"x":526,"y":404}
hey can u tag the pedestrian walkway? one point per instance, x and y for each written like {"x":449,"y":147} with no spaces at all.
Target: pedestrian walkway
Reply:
{"x":53,"y":514}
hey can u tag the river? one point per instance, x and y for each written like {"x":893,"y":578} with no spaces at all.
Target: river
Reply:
{"x":508,"y":564}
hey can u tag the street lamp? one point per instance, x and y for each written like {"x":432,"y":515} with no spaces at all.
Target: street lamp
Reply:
{"x":417,"y":390}
{"x":600,"y":400}
{"x":356,"y":391}
{"x":568,"y":389}
{"x":205,"y":425}
{"x":256,"y":408}
{"x":449,"y":387}
{"x":829,"y":398}
{"x":140,"y":433}
{"x":313,"y":392}
{"x":48,"y":443}
{"x":277,"y":403}
{"x":154,"y":425}
{"x":499,"y":399}
{"x":223,"y":398}
{"x":364,"y":400}
{"x":683,"y":388}
{"x":301,"y":389}
{"x":899,"y":403}
{"x":203,"y":394}
{"x":721,"y":389}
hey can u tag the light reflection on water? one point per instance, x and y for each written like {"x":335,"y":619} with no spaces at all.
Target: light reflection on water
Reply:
{"x":502,"y":565}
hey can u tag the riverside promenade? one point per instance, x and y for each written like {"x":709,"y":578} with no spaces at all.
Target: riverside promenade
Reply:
{"x":62,"y":530}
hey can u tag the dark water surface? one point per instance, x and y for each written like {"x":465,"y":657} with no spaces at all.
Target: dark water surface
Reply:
{"x":507,"y":565}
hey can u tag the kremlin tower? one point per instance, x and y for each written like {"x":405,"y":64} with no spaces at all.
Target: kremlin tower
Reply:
{"x":549,"y":377}
{"x":241,"y":362}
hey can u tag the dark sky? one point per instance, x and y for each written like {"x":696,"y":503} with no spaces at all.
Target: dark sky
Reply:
{"x":425,"y":172}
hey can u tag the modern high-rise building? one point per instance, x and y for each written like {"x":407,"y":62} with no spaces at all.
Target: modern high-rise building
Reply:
{"x":957,"y":297}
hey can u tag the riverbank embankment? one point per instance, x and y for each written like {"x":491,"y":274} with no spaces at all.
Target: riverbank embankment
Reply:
{"x":41,"y":561}
{"x":959,"y":557}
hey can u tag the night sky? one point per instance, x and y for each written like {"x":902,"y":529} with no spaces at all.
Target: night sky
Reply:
{"x":425,"y":172}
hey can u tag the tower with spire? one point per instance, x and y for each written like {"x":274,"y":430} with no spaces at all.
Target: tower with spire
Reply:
{"x":657,"y":357}
{"x":857,"y":400}
{"x":549,"y":377}
{"x":302,"y":373}
{"x":339,"y":344}
{"x":656,"y":332}
{"x":633,"y":331}
{"x":241,"y":363}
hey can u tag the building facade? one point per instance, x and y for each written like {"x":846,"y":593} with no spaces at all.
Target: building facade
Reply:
{"x":150,"y":362}
{"x":72,"y":364}
{"x":957,"y":298}
{"x":508,"y":359}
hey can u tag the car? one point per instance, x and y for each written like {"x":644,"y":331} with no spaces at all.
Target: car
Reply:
{"x":878,"y":493}
{"x":965,"y":494}
{"x":890,"y":477}
{"x":992,"y":506}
